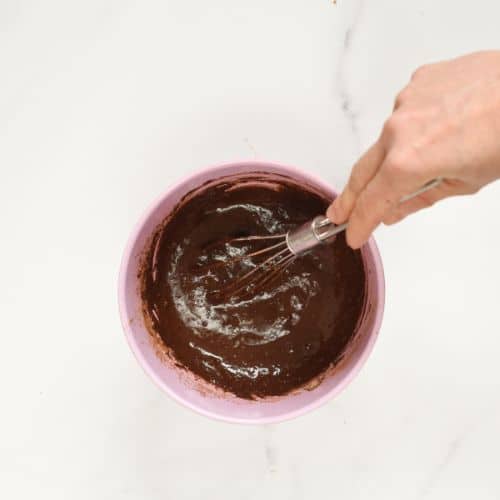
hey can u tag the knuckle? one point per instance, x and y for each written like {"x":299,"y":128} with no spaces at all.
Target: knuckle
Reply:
{"x":402,"y":97}
{"x":391,"y":127}
{"x":399,"y":163}
{"x":419,"y":72}
{"x":397,"y":122}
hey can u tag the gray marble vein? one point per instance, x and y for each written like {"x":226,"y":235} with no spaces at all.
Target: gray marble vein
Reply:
{"x":345,"y":95}
{"x":451,"y":451}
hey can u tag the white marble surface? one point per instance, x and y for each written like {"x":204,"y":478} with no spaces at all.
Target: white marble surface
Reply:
{"x":105,"y":103}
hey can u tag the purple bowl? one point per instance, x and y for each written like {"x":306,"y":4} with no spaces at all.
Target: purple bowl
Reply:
{"x":189,"y":389}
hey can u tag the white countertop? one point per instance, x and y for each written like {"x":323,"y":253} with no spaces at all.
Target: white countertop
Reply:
{"x":105,"y":103}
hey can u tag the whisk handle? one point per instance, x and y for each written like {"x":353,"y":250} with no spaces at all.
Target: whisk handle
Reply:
{"x":322,"y":230}
{"x":330,"y":229}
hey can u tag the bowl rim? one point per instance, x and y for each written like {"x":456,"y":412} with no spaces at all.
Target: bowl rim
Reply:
{"x":254,"y":165}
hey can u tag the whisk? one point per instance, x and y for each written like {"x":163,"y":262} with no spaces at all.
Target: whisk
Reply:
{"x":284,"y":249}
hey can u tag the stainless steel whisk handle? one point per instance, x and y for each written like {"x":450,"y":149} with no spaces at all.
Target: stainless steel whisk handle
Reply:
{"x":321,"y":229}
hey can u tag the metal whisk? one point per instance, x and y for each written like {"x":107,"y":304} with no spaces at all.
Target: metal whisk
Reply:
{"x":283,"y":249}
{"x":280,"y":254}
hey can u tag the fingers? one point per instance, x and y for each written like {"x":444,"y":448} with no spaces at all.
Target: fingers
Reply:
{"x":400,"y":174}
{"x":362,"y":173}
{"x":374,"y":203}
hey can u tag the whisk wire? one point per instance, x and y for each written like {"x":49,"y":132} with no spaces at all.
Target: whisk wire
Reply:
{"x":273,"y":275}
{"x":244,"y":256}
{"x":253,"y":238}
{"x":244,"y":280}
{"x":247,"y":284}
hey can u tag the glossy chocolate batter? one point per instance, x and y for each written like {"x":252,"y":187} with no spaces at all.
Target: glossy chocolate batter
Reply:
{"x":268,"y":343}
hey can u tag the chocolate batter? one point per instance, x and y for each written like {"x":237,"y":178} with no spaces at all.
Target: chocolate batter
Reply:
{"x":269,"y":343}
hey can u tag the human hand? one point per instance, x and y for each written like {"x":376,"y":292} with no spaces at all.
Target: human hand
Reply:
{"x":445,"y":124}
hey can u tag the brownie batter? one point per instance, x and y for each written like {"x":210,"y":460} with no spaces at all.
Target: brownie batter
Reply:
{"x":267,"y":343}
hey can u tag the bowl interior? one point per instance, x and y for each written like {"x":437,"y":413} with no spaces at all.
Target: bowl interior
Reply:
{"x":182,"y":385}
